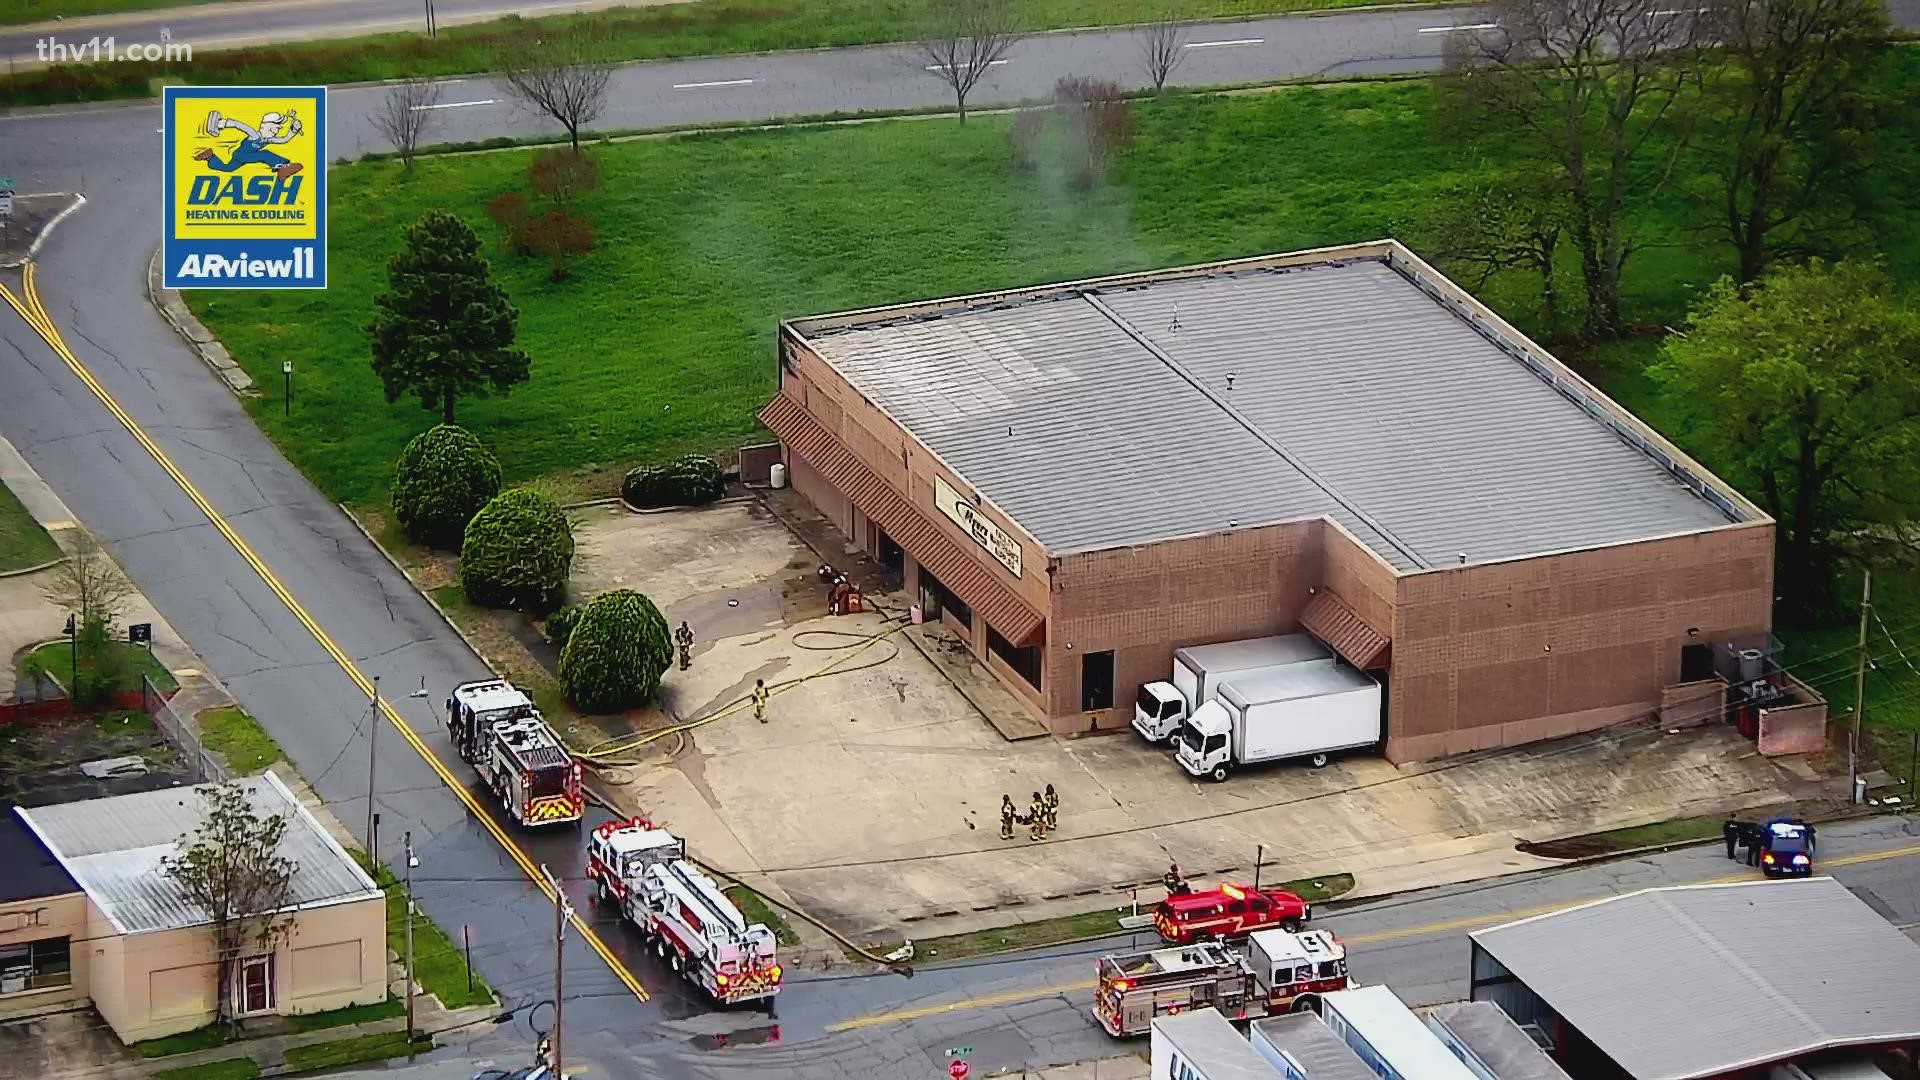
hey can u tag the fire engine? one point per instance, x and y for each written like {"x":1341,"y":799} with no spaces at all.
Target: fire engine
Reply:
{"x":682,"y":912}
{"x":1276,"y":968}
{"x":498,"y":731}
{"x":1229,"y":911}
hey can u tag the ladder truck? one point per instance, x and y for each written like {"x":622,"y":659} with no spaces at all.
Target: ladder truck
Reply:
{"x":643,"y":869}
{"x":497,"y":730}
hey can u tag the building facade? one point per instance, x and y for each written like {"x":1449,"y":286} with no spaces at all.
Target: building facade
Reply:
{"x":1079,"y":479}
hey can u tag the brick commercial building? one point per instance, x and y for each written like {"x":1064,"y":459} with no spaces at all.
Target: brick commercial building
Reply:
{"x":1081,"y":478}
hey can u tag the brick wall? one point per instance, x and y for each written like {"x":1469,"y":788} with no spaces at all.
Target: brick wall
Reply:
{"x":1536,"y":648}
{"x":1144,"y":602}
{"x":904,"y":463}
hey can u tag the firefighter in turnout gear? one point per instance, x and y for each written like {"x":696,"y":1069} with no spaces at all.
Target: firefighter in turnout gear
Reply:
{"x":1037,"y":818}
{"x":1007,"y":816}
{"x":760,"y":700}
{"x":683,"y":637}
{"x":1053,"y":808}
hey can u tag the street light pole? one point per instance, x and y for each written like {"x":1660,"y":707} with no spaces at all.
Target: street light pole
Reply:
{"x":560,"y":913}
{"x":1859,"y":689}
{"x":373,"y":742}
{"x":411,"y":863}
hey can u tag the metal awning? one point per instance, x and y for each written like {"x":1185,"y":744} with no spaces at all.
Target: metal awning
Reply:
{"x":914,"y":531}
{"x":1328,"y":618}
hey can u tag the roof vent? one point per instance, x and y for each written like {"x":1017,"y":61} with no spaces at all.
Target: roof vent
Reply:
{"x":1463,"y":558}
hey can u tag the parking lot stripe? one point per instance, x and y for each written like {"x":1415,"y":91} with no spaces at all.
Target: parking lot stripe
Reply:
{"x":35,"y":314}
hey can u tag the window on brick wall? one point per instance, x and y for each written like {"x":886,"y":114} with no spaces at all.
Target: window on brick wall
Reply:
{"x":1025,"y":661}
{"x":35,"y":965}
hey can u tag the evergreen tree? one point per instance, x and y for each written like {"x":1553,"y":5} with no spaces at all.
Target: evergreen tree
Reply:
{"x":444,"y":329}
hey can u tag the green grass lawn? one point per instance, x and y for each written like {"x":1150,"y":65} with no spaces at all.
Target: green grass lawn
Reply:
{"x":224,"y":1069}
{"x":352,"y":1051}
{"x":23,"y":543}
{"x":238,"y":737}
{"x":702,"y":28}
{"x":55,"y":660}
{"x":438,"y":963}
{"x":757,"y":910}
{"x":352,"y":1014}
{"x":204,"y":1038}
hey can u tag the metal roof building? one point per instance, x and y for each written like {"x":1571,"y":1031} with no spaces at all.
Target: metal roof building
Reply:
{"x":1336,"y":425}
{"x":1700,"y":981}
{"x":113,"y":848}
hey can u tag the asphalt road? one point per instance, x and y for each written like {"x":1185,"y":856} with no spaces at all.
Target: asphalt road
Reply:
{"x":92,"y":275}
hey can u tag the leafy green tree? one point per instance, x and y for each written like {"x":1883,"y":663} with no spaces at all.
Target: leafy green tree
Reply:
{"x":444,"y":330}
{"x":1790,"y":124}
{"x":619,"y":648}
{"x":230,"y":866}
{"x":443,"y":478}
{"x":517,"y":552}
{"x":1805,"y":389}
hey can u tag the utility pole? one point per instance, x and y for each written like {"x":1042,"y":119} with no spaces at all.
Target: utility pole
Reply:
{"x":411,"y":863}
{"x":373,"y":742}
{"x":560,"y":913}
{"x":1859,"y":687}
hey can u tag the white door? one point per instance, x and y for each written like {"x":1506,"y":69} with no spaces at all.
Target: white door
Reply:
{"x":253,"y":986}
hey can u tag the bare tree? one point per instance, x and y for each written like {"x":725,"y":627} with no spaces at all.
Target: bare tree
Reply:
{"x":559,"y":77}
{"x":962,"y":42}
{"x":88,"y":584}
{"x":404,"y":115}
{"x":1513,"y":222}
{"x":1163,"y":44}
{"x":1588,"y":84}
{"x":1792,"y":122}
{"x":230,"y":867}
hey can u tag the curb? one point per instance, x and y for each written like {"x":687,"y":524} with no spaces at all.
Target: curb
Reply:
{"x":198,"y":338}
{"x":24,"y":571}
{"x":424,"y":594}
{"x":33,"y":249}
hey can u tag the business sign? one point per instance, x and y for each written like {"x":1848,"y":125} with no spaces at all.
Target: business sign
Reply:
{"x":984,"y":532}
{"x":245,"y":203}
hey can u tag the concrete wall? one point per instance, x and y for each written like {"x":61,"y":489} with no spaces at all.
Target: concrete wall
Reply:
{"x":1690,"y":703}
{"x":1511,"y":652}
{"x":165,"y":981}
{"x":1145,"y":602}
{"x":37,"y":920}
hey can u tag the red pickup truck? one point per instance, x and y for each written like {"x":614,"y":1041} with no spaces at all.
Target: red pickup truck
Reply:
{"x":1230,"y":911}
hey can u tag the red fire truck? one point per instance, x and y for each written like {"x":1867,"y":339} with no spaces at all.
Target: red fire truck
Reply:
{"x":683,"y":914}
{"x":1229,"y":911}
{"x":1276,"y":968}
{"x":498,"y":731}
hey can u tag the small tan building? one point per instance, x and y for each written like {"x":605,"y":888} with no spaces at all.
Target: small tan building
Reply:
{"x":97,"y":921}
{"x":1081,"y":478}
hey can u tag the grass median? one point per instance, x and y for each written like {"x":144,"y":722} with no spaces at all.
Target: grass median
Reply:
{"x":233,"y":734}
{"x":703,"y":28}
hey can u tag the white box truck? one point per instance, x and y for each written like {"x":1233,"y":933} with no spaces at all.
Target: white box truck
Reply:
{"x":1199,"y":671}
{"x":1202,"y":1045}
{"x":1306,"y":711}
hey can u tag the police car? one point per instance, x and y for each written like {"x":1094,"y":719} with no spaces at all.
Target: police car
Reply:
{"x":1786,"y":848}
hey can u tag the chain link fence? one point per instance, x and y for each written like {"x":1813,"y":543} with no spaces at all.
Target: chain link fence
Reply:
{"x":204,"y":766}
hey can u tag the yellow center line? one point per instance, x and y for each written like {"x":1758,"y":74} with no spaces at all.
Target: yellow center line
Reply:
{"x":1012,"y":997}
{"x":35,"y":313}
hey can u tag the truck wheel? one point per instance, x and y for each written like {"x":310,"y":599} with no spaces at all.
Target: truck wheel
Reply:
{"x":603,"y":894}
{"x":1171,"y":740}
{"x":677,"y":962}
{"x":1318,"y":761}
{"x":1219,"y":773}
{"x":1293,"y":926}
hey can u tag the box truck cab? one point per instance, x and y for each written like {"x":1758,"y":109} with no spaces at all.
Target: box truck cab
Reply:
{"x":1306,"y":711}
{"x":1200,"y":670}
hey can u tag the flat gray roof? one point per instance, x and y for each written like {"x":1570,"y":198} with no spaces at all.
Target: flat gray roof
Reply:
{"x":1684,"y":982}
{"x":114,"y":846}
{"x":1212,"y":1045}
{"x":1132,"y":410}
{"x":1507,"y":1052}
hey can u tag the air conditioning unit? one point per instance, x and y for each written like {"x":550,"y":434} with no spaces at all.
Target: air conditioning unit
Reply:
{"x":15,"y":980}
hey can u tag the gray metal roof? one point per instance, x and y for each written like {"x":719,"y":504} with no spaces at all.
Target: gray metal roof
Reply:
{"x":1212,"y":1046}
{"x":1492,"y":1036}
{"x":1623,"y":971}
{"x":113,"y":847}
{"x":1312,"y":1045}
{"x":1100,"y":415}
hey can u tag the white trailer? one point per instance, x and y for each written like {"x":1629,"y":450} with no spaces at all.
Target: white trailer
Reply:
{"x":1200,"y":670}
{"x":1202,"y":1045}
{"x":1378,"y":1026}
{"x":1304,"y":711}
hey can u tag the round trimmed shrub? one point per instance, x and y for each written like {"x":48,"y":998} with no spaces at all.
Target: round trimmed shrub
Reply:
{"x":619,"y":648}
{"x":517,"y":552}
{"x":443,"y":478}
{"x":689,"y":481}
